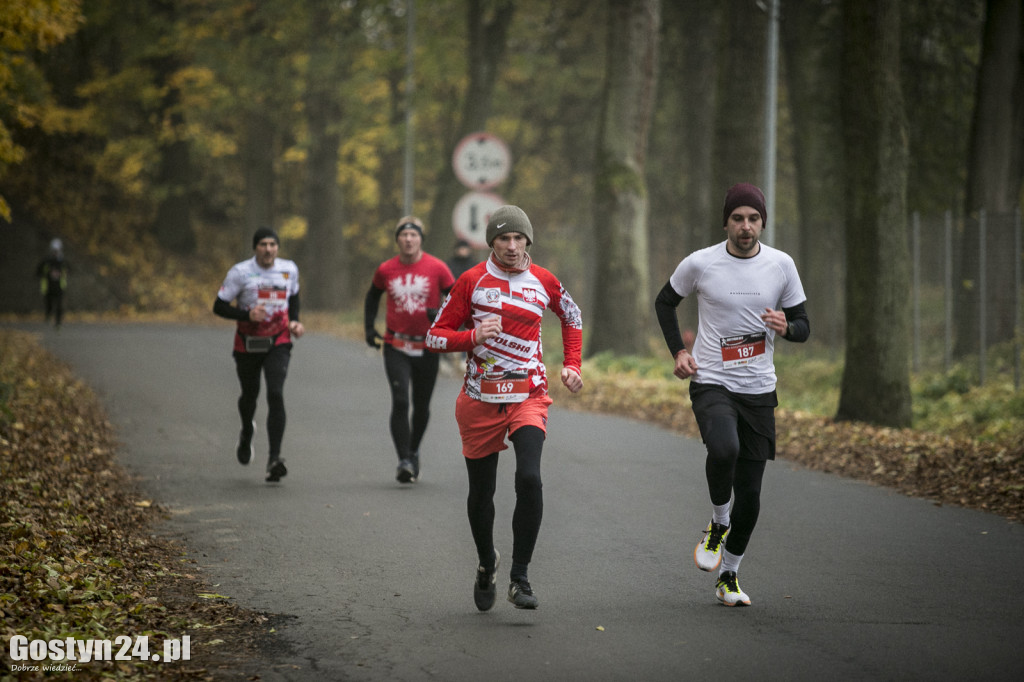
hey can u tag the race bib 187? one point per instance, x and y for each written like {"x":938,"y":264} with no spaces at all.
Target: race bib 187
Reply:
{"x":746,"y":349}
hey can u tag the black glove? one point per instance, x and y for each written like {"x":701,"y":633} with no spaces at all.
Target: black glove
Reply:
{"x":373,"y":339}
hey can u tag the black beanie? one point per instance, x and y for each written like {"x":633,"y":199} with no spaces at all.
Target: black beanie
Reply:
{"x":744,"y":194}
{"x":262,"y":233}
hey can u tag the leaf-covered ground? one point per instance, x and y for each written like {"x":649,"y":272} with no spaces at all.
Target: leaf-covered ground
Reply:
{"x":78,"y":557}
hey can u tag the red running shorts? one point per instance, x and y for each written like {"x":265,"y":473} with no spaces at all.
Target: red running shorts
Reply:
{"x":483,"y":426}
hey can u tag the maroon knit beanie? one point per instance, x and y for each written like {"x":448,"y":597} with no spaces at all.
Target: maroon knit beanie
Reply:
{"x":744,"y":194}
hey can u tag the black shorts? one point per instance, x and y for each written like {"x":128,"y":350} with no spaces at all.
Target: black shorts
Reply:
{"x":754,"y":415}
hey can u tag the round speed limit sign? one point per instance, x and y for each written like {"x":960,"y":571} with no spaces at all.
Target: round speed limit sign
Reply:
{"x":470,"y":216}
{"x":481,"y":161}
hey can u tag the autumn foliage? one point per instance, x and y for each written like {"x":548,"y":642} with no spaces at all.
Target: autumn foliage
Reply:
{"x":76,"y":555}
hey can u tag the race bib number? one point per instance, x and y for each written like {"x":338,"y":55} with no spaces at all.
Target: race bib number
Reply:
{"x":504,"y":389}
{"x":412,"y":348}
{"x":747,"y":349}
{"x":273,"y":299}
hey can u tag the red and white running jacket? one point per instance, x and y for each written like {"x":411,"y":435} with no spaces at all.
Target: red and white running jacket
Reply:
{"x":519,"y":298}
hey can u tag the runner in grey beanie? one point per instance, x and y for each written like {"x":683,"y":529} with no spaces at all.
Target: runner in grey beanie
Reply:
{"x":509,"y":219}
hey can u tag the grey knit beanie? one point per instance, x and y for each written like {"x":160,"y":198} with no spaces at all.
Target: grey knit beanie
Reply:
{"x":509,"y":219}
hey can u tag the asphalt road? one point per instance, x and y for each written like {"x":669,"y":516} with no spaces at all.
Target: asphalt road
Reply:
{"x":848,"y":581}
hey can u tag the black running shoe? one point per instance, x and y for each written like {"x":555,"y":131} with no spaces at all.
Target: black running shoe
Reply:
{"x":245,"y":450}
{"x":415,"y":459}
{"x":484,"y":589}
{"x":276,"y":470}
{"x":521,"y":594}
{"x":405,"y":473}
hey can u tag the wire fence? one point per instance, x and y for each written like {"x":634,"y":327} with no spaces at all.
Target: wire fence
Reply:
{"x":967,"y":291}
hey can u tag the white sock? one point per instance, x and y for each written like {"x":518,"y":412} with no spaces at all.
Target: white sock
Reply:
{"x":721,"y":514}
{"x":730,"y":562}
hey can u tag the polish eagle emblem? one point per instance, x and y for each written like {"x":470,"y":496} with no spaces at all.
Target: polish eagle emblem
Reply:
{"x":410,"y":292}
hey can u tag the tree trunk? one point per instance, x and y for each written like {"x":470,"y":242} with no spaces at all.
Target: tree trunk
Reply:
{"x":679,"y":175}
{"x":812,"y":62}
{"x":739,"y":122}
{"x":258,"y":153}
{"x":995,"y":172}
{"x":173,"y":222}
{"x":325,"y":259}
{"x":876,"y":377}
{"x":701,"y":211}
{"x":621,"y":305}
{"x":487,"y":41}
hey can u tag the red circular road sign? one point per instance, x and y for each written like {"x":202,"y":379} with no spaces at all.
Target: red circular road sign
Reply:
{"x":481,"y":161}
{"x":469,"y":219}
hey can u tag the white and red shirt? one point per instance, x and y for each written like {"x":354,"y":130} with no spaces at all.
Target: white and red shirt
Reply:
{"x":411,"y":290}
{"x":734,"y":348}
{"x":520,"y":298}
{"x":252,"y":285}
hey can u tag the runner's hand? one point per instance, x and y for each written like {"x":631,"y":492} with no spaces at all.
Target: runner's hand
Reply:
{"x":296,"y":328}
{"x":775,"y":320}
{"x":572,"y":380}
{"x":258,"y":314}
{"x":488,"y":329}
{"x":686,"y":366}
{"x":373,"y":339}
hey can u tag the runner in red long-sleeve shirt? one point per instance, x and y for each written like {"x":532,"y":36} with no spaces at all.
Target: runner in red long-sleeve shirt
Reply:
{"x":501,"y":302}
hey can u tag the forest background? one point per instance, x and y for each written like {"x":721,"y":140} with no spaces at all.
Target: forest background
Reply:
{"x":154,"y":136}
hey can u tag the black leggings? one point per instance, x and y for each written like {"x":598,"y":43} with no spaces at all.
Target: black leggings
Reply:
{"x":528,"y":442}
{"x":737,"y":450}
{"x":55,"y":305}
{"x":420,"y":373}
{"x":274,"y":366}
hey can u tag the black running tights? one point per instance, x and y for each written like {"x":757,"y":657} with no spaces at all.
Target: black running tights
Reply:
{"x":419,"y":374}
{"x":528,"y":442}
{"x":274,"y":366}
{"x":730,"y":475}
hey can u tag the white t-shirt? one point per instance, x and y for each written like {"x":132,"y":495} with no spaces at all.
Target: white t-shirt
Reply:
{"x":733,"y":347}
{"x":273,"y":286}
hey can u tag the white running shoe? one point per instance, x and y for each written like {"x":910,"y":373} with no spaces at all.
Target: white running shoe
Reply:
{"x":728,"y":591}
{"x":708,"y":553}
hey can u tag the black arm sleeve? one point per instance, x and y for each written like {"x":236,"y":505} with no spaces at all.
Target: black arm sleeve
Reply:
{"x":665,"y":307}
{"x":432,"y":312}
{"x":294,"y":307}
{"x":226,"y":310}
{"x":799,"y":325}
{"x":370,"y":306}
